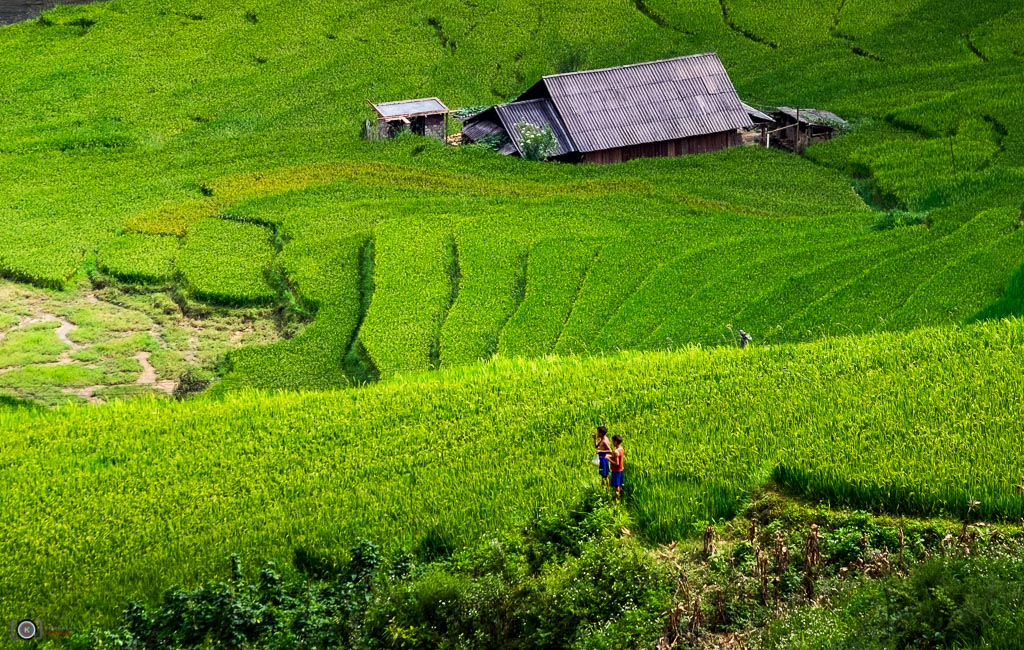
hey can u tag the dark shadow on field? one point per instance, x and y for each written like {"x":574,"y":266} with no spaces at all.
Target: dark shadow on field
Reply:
{"x":436,"y":544}
{"x":943,"y":38}
{"x":11,"y":402}
{"x":357,"y":363}
{"x":1012,"y":302}
{"x":992,"y":502}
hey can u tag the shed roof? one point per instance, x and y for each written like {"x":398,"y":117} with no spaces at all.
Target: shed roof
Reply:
{"x":756,"y":114}
{"x":410,"y":108}
{"x":645,"y":102}
{"x":812,"y":115}
{"x":483,"y":125}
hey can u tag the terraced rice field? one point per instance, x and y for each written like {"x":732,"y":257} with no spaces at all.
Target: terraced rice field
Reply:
{"x":471,"y":256}
{"x":159,"y":492}
{"x":183,"y":185}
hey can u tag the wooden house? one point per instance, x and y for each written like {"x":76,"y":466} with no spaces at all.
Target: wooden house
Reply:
{"x":428,"y":116}
{"x":671,"y":107}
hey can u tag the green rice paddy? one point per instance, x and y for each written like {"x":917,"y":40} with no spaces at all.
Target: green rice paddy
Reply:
{"x":201,"y":160}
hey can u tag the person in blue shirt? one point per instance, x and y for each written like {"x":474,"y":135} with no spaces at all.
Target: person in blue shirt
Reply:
{"x":603,"y":448}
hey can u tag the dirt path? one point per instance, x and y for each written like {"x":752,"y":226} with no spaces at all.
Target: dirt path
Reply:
{"x":88,"y":393}
{"x":64,"y":328}
{"x":62,"y":332}
{"x":111,"y":317}
{"x":149,"y":376}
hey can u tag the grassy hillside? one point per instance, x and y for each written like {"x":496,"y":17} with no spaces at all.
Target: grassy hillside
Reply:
{"x":137,"y":125}
{"x":131,"y":497}
{"x":203,"y":157}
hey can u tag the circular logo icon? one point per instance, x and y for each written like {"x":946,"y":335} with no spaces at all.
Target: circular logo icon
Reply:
{"x":26,"y":630}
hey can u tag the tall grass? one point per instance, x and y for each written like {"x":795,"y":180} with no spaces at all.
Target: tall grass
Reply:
{"x":131,"y":497}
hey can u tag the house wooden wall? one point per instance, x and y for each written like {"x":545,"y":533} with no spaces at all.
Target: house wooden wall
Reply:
{"x":808,"y":133}
{"x":668,"y":148}
{"x":433,"y":126}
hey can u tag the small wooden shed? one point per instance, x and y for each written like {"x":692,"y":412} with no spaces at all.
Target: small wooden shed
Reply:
{"x":799,"y":127}
{"x":428,"y":116}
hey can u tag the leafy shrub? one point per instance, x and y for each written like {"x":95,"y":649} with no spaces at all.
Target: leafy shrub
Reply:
{"x":537,"y":143}
{"x":944,"y":603}
{"x":492,"y":142}
{"x":192,"y":382}
{"x":607,"y":594}
{"x":569,"y":579}
{"x":465,"y":112}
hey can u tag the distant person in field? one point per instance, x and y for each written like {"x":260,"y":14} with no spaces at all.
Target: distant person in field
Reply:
{"x":617,"y":461}
{"x":603,"y":448}
{"x":745,"y":338}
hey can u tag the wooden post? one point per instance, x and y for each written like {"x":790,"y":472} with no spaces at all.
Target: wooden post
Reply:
{"x":797,"y":144}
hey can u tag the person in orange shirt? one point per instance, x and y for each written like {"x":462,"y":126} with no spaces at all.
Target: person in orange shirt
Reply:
{"x":617,"y":463}
{"x":603,"y":449}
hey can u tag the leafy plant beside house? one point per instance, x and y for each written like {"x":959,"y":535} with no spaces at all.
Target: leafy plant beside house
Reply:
{"x":537,"y":143}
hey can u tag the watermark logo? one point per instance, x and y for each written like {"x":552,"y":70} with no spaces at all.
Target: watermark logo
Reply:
{"x":29,"y":630}
{"x":26,"y":630}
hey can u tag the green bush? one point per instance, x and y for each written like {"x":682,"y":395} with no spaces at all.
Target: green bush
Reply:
{"x":537,"y":143}
{"x":944,"y":603}
{"x":606,"y":592}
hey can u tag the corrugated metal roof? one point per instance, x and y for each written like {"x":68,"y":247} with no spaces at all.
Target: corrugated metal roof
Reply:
{"x":476,"y":130}
{"x":756,"y":114}
{"x":410,"y":108}
{"x":812,"y":115}
{"x":539,"y":112}
{"x":646,"y":102}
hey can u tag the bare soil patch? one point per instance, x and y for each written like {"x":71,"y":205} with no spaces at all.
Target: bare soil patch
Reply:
{"x":112,"y":344}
